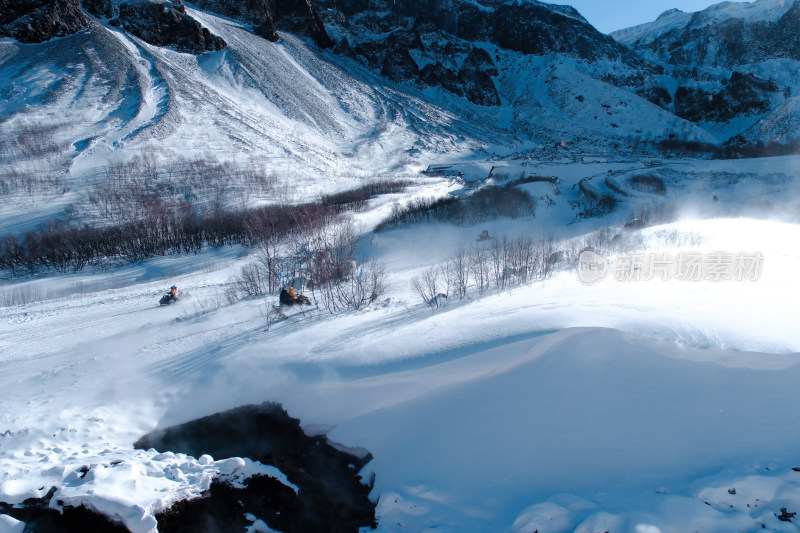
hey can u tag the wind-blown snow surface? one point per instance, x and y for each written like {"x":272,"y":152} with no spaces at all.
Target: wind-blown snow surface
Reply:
{"x":555,"y":406}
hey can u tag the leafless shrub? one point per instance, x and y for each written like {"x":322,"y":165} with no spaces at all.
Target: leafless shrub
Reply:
{"x":251,"y":281}
{"x":365,"y":288}
{"x":13,"y":296}
{"x":427,"y":286}
{"x":457,"y":272}
{"x":479,"y":267}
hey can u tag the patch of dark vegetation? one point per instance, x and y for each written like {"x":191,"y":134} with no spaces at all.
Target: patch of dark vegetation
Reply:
{"x":40,"y":517}
{"x":738,"y":148}
{"x":141,"y":218}
{"x":483,"y":204}
{"x":677,"y":146}
{"x":356,"y":199}
{"x":62,"y":247}
{"x":742,"y":94}
{"x":647,"y":184}
{"x":592,"y":204}
{"x":531,"y":179}
{"x":735,"y":148}
{"x":331,"y":498}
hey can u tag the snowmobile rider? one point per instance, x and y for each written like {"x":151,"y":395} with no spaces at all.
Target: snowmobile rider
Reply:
{"x":173,"y":291}
{"x":292,"y":295}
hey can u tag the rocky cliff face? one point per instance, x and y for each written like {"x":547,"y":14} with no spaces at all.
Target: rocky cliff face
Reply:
{"x":728,"y":40}
{"x":741,"y":95}
{"x":168,"y":25}
{"x":161,"y":23}
{"x":432,"y":42}
{"x":36,"y":21}
{"x":730,"y":61}
{"x":269,"y":16}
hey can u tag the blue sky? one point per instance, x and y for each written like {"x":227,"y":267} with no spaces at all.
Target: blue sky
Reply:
{"x":610,"y":15}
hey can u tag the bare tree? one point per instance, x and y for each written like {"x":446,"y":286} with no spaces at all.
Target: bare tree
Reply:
{"x":427,"y":286}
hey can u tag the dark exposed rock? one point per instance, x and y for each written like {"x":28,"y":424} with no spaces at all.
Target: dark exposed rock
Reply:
{"x":437,"y":75}
{"x":343,"y":48}
{"x":391,"y":55}
{"x":478,"y":87}
{"x":39,"y":517}
{"x":331,"y":496}
{"x":223,"y":508}
{"x":453,"y":63}
{"x":269,"y":16}
{"x":479,"y":59}
{"x":36,"y":21}
{"x":529,"y":27}
{"x":743,"y":94}
{"x":400,"y":66}
{"x":167,"y":25}
{"x":99,"y":8}
{"x":656,"y":95}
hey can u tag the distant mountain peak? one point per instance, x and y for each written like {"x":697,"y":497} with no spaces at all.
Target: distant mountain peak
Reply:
{"x":668,"y":13}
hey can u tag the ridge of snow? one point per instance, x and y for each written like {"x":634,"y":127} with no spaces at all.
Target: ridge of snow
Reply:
{"x":672,"y":19}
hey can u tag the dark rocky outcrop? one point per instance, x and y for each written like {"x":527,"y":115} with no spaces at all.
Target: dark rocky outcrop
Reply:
{"x":36,"y":21}
{"x":530,"y":27}
{"x":40,"y":517}
{"x":478,"y":87}
{"x":386,"y":32}
{"x":99,"y":8}
{"x":743,"y":94}
{"x":480,"y":60}
{"x":270,"y":16}
{"x":167,"y":25}
{"x":437,"y":75}
{"x":331,"y":496}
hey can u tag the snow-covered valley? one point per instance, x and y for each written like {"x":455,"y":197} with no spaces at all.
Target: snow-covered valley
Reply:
{"x":553,"y":405}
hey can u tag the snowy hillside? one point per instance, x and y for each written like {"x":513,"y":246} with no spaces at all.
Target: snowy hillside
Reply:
{"x":74,"y":103}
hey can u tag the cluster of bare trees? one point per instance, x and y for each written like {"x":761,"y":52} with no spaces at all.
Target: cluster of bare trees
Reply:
{"x":318,"y":256}
{"x":500,"y":262}
{"x":483,"y":204}
{"x":127,"y":191}
{"x":32,"y":166}
{"x":142,"y":218}
{"x":61,"y":246}
{"x":505,"y":262}
{"x":29,"y":141}
{"x":45,"y":179}
{"x":356,"y":199}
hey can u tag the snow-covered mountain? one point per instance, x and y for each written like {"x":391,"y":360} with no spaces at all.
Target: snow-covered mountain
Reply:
{"x":402,"y":86}
{"x":735,"y":64}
